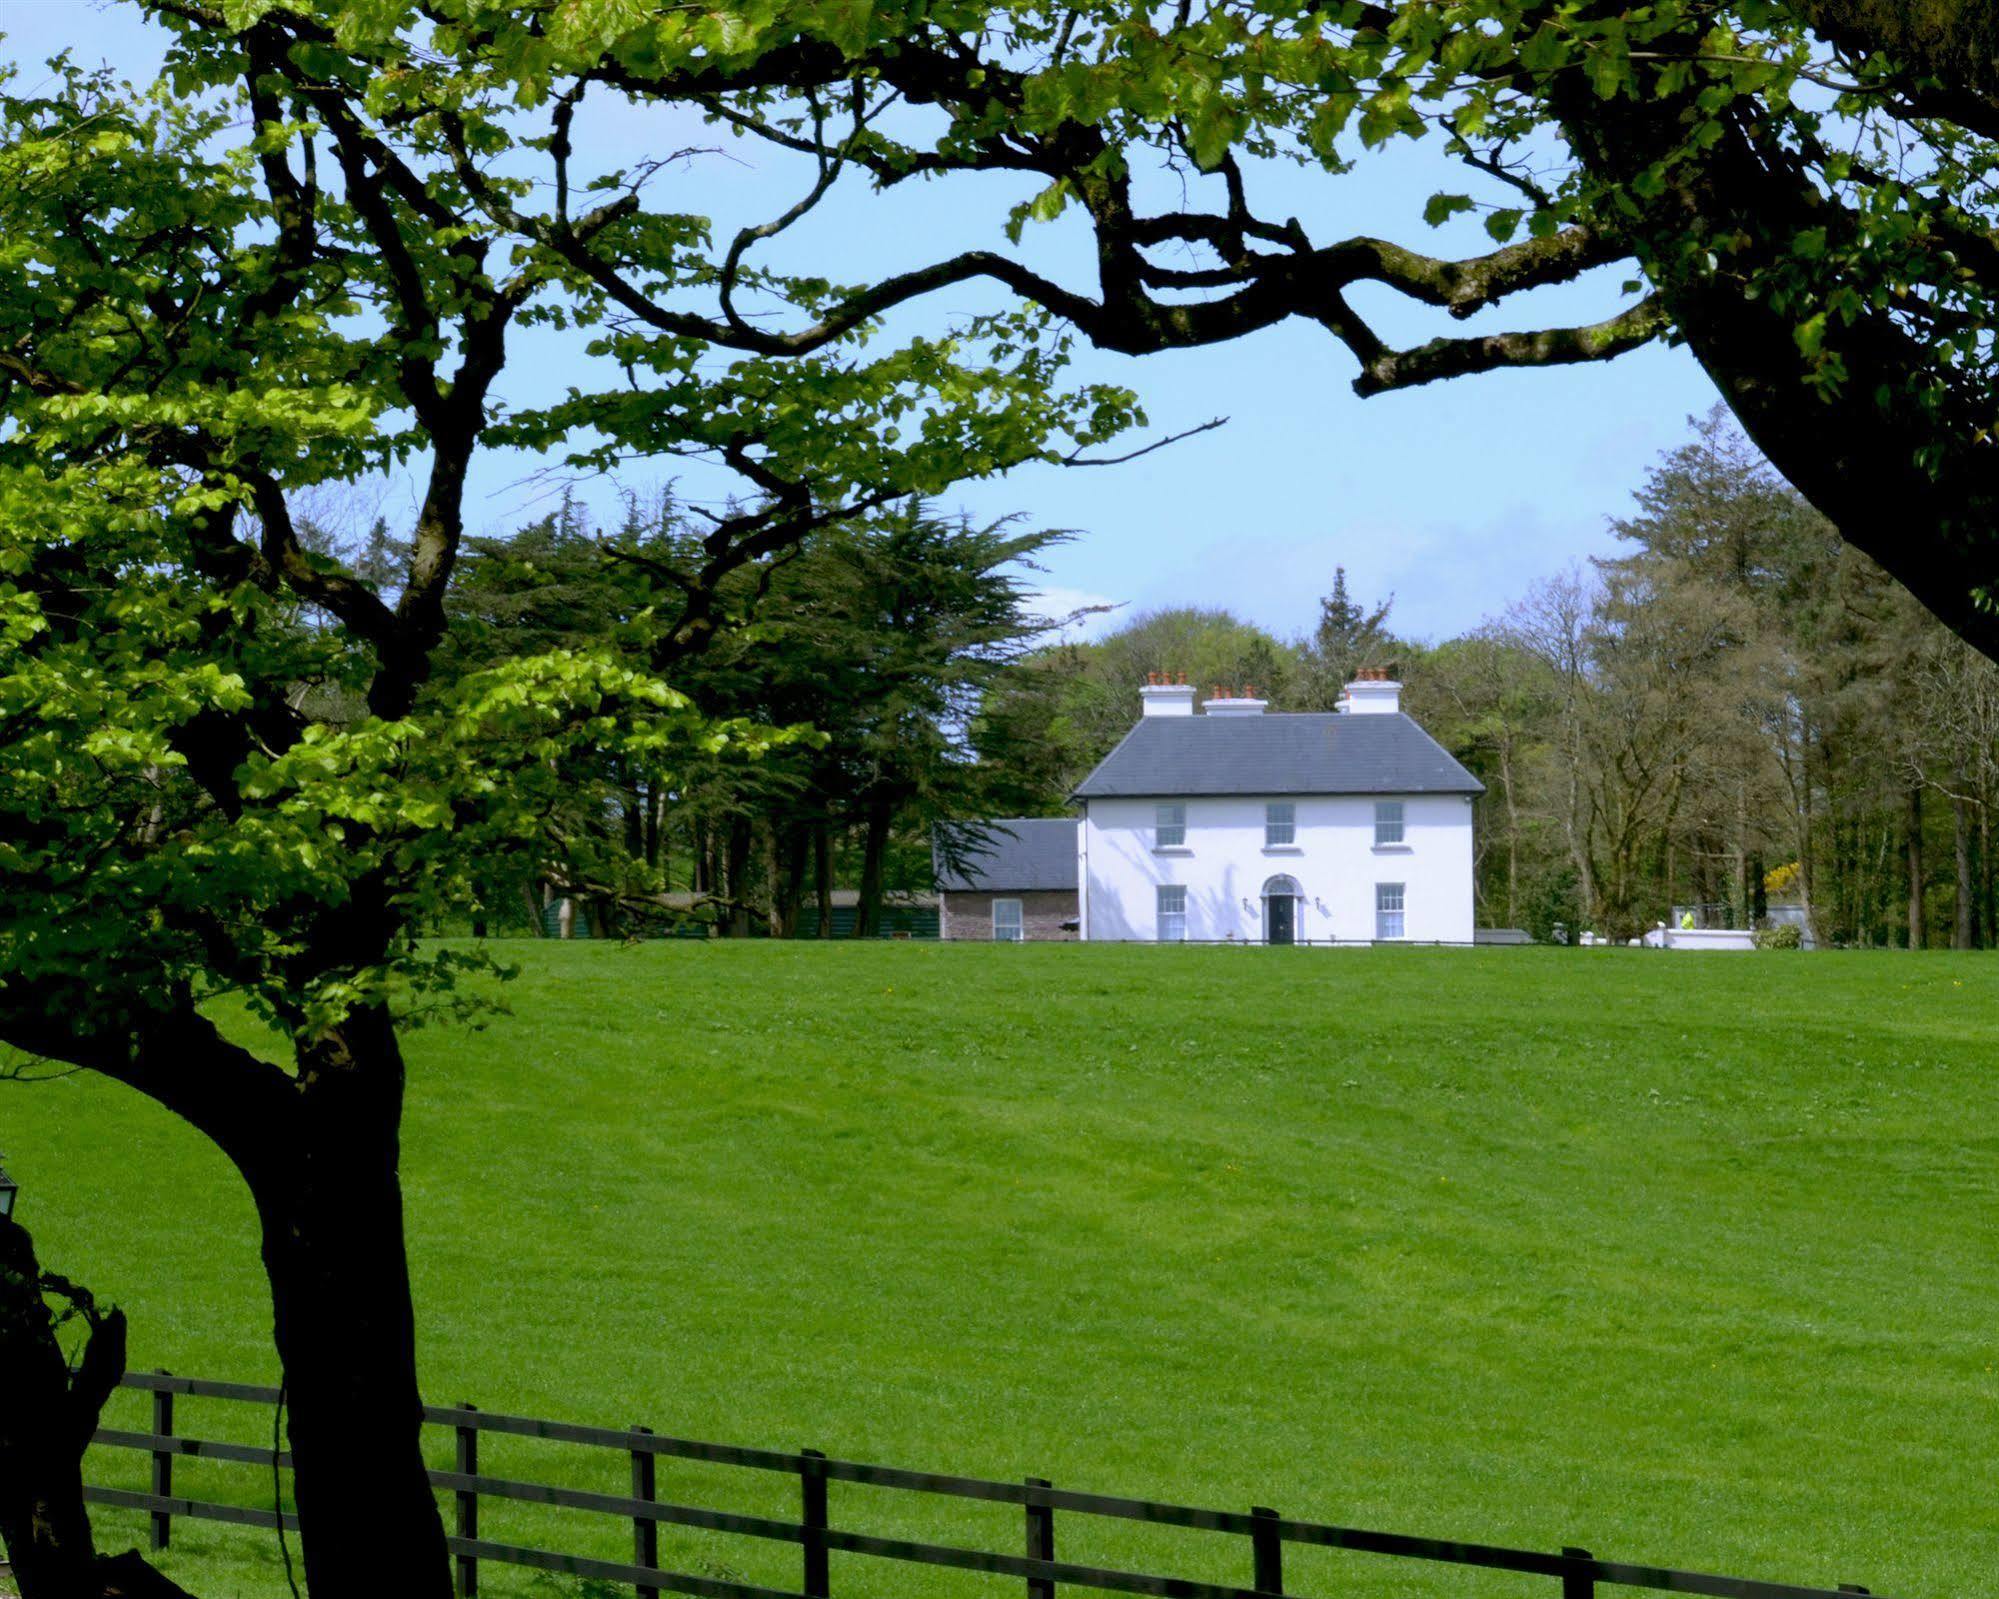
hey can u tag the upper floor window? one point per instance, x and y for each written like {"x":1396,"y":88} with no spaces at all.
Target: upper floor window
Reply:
{"x":1280,"y":823}
{"x":1388,"y":910}
{"x":1169,"y":827}
{"x":1388,"y":821}
{"x":1172,"y":914}
{"x":1008,"y":925}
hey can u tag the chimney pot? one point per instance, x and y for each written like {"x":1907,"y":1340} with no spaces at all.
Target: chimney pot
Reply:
{"x":1235,"y":702}
{"x":1372,"y":692}
{"x":1161,"y":696}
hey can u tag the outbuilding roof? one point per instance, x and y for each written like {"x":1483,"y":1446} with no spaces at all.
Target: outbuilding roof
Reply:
{"x":1016,"y":853}
{"x":1296,"y":752}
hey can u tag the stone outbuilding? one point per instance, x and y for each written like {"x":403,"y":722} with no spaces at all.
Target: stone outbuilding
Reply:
{"x":1007,"y":880}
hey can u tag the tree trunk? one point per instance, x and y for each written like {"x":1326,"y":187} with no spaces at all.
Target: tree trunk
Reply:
{"x":739,"y":851}
{"x":330,"y":1201}
{"x":874,"y":852}
{"x":1987,"y":934}
{"x":704,"y":859}
{"x":791,"y":880}
{"x":1964,"y":934}
{"x":1741,"y":908}
{"x":822,"y":874}
{"x":1807,"y":865}
{"x":633,"y":803}
{"x":1918,"y":932}
{"x":48,"y":1411}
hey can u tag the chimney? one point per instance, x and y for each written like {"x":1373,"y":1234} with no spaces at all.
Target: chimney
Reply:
{"x":1372,"y":693}
{"x":1235,"y":702}
{"x":1163,"y":695}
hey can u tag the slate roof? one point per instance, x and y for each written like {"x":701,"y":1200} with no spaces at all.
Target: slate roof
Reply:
{"x":1018,"y":853}
{"x":1295,"y":752}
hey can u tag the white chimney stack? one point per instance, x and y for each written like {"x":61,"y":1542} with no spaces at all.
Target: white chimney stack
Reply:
{"x":1162,"y":696}
{"x":1372,"y":693}
{"x":1234,"y":702}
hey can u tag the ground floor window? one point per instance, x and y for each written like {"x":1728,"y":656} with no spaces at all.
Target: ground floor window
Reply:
{"x":1172,"y":915}
{"x":1008,"y":926}
{"x":1387,"y":910}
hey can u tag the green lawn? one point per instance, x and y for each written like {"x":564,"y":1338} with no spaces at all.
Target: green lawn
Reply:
{"x":1686,"y":1259}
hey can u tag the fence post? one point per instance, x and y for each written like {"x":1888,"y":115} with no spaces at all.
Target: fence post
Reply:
{"x":1267,"y":1549}
{"x":812,"y":1491}
{"x":1578,"y":1584}
{"x":1040,"y":1541}
{"x":468,"y":1505}
{"x":163,"y":1463}
{"x":645,"y":1531}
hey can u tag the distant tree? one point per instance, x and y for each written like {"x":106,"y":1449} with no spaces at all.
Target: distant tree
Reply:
{"x":1742,"y":699}
{"x":896,"y":640}
{"x":1489,"y":699}
{"x":905,"y":626}
{"x":1349,"y":635}
{"x":1099,"y":700}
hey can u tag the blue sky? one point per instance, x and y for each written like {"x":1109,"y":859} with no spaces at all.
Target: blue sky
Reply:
{"x":1454,"y":498}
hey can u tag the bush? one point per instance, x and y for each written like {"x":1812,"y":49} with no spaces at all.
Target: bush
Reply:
{"x":1786,"y":935}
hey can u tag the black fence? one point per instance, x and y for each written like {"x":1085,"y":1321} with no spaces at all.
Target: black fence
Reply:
{"x":1264,"y":1534}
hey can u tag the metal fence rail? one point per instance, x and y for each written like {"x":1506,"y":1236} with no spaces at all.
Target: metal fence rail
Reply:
{"x":1264,"y":1532}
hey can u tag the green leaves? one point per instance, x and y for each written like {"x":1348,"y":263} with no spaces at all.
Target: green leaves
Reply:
{"x":1440,"y":208}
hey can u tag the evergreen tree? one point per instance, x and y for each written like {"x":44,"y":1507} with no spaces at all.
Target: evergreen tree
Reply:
{"x":1349,"y":636}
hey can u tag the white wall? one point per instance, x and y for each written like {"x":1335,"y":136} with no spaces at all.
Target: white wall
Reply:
{"x":1225,"y":863}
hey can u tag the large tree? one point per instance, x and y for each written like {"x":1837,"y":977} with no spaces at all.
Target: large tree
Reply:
{"x":230,"y":764}
{"x":1808,"y":212}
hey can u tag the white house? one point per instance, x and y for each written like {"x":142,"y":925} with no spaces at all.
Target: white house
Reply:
{"x":1232,"y":824}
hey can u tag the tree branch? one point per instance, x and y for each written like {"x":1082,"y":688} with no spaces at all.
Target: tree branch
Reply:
{"x":1446,"y":358}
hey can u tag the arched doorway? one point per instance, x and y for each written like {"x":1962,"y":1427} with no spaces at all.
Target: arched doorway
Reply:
{"x":1280,"y":910}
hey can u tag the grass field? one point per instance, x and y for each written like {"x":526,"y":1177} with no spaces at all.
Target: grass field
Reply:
{"x":1688,"y":1260}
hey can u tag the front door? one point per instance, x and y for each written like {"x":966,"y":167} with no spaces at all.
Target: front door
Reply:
{"x":1282,"y":915}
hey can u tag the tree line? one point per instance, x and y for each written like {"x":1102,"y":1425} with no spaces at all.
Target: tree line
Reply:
{"x":1739,"y":708}
{"x":883,"y":651}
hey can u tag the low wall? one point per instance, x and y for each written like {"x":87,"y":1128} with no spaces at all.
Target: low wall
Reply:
{"x":1700,"y":938}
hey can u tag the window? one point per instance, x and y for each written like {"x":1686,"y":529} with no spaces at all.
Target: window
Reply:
{"x":1280,"y":824}
{"x":1007,"y":925}
{"x":1387,"y":910}
{"x":1172,"y":915}
{"x":1387,"y":822}
{"x":1169,"y":827}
